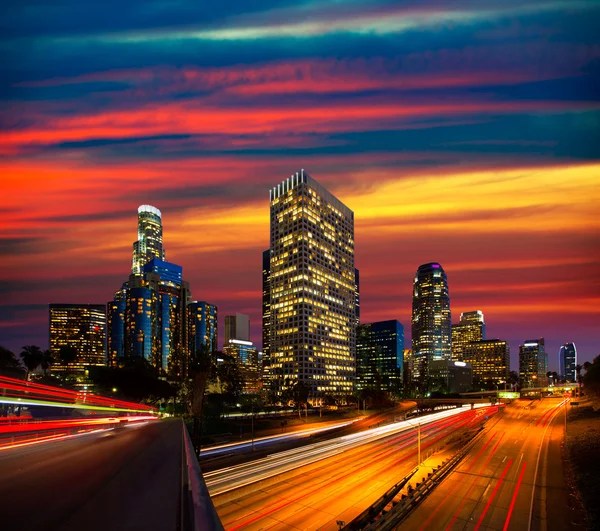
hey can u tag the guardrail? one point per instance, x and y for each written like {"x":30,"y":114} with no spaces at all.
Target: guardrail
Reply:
{"x":400,"y":510}
{"x":197,"y":510}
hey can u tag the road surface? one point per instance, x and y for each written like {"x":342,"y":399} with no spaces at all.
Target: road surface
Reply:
{"x":128,"y":480}
{"x":493,"y":487}
{"x":338,"y":486}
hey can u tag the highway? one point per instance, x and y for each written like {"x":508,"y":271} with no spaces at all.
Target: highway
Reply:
{"x":511,"y":480}
{"x":128,"y":479}
{"x":317,"y":485}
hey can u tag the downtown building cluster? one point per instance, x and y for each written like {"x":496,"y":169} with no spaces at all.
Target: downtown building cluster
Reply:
{"x":311,"y":330}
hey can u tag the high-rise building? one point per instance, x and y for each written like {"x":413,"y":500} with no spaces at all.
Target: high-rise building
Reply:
{"x":266,"y":314}
{"x":490,"y":360}
{"x":149,"y":242}
{"x":380,"y":356}
{"x":147,"y":317}
{"x":471,"y":327}
{"x":115,"y":313}
{"x":448,"y":376}
{"x":408,"y":368}
{"x":567,"y":360}
{"x":357,"y":295}
{"x":82,"y":327}
{"x":312,"y":288}
{"x":533,"y":363}
{"x":202,"y":329}
{"x":431,"y":320}
{"x":237,"y":327}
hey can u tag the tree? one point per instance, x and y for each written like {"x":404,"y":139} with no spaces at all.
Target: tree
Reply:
{"x":32,"y":358}
{"x":578,"y":371}
{"x":230,"y":376}
{"x":591,"y":381}
{"x":297,"y":393}
{"x":8,"y":360}
{"x":47,"y":361}
{"x":202,"y":368}
{"x":513,"y":378}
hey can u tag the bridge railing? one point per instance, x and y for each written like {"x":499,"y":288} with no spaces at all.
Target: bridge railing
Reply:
{"x":197,"y":510}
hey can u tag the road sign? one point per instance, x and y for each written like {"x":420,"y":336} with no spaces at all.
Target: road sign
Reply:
{"x":508,"y":394}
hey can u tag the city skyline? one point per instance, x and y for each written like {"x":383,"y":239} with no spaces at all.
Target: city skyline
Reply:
{"x":464,"y":135}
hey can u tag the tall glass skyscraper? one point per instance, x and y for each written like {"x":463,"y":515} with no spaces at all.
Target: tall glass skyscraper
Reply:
{"x":567,"y":360}
{"x":202,"y":328}
{"x":431,"y":319}
{"x":471,"y":327}
{"x":149,"y":242}
{"x":533,"y":363}
{"x":115,"y":313}
{"x":82,"y":327}
{"x":312,"y":288}
{"x":380,"y":356}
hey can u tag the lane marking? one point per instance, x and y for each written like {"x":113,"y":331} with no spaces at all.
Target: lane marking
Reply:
{"x":493,"y":495}
{"x":514,"y":498}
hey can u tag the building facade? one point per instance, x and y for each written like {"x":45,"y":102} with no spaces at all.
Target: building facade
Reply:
{"x":115,"y":336}
{"x":471,"y":327}
{"x":490,"y":360}
{"x":567,"y":361}
{"x":448,"y":376}
{"x":237,"y":327}
{"x":312,"y":289}
{"x":202,"y":327}
{"x":533,"y":363}
{"x":149,"y":242}
{"x":82,"y":328}
{"x":431,"y":320}
{"x":380,"y":356}
{"x":266,"y":315}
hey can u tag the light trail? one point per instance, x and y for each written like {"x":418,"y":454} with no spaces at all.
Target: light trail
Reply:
{"x":51,"y":438}
{"x":215,"y":450}
{"x":47,"y":403}
{"x":224,"y":480}
{"x":514,"y":498}
{"x":494,"y":492}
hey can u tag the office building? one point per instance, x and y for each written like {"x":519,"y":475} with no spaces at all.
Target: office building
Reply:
{"x":471,"y":327}
{"x":533,"y":363}
{"x":237,"y":327}
{"x":380,"y":356}
{"x":115,"y":314}
{"x":82,"y":327}
{"x":431,"y":320}
{"x":490,"y":360}
{"x":149,"y":242}
{"x":357,"y":295}
{"x":448,"y":376}
{"x":567,"y":360}
{"x":266,"y":314}
{"x":202,"y":327}
{"x":312,"y":289}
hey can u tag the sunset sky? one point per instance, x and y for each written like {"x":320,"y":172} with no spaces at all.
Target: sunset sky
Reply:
{"x":462,"y":131}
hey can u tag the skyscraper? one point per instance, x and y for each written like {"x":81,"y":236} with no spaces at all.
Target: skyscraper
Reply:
{"x":490,"y":360}
{"x":312,"y":288}
{"x":431,"y":319}
{"x":81,"y":327}
{"x":266,"y":313}
{"x":533,"y":363}
{"x":380,"y":356}
{"x":237,"y":327}
{"x":471,"y":327}
{"x":567,"y":360}
{"x":115,"y":314}
{"x":147,"y":317}
{"x":357,"y":295}
{"x":202,"y":327}
{"x":149,"y":242}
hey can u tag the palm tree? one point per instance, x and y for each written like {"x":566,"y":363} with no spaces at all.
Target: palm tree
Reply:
{"x":47,"y":361}
{"x":578,"y":371}
{"x":32,"y":358}
{"x":8,"y":359}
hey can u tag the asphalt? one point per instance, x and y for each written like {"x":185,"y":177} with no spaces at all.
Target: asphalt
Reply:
{"x":130,"y":480}
{"x":511,"y":480}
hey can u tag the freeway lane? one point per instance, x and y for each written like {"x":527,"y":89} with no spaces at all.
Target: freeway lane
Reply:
{"x":127,"y":481}
{"x":338,"y":487}
{"x":493,"y":487}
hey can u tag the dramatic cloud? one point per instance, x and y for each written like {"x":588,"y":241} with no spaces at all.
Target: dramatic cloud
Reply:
{"x":463,"y":132}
